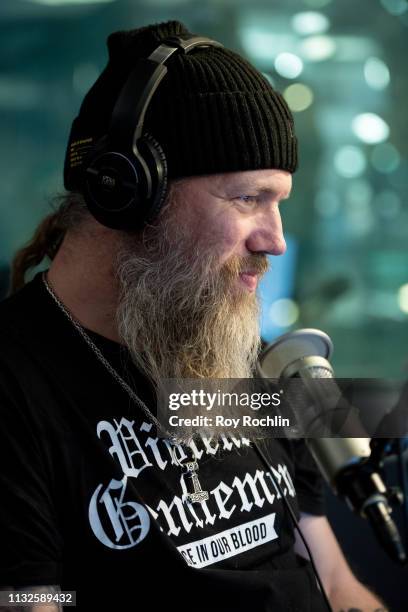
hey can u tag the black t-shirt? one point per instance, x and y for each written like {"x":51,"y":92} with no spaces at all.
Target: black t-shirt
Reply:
{"x":93,"y":500}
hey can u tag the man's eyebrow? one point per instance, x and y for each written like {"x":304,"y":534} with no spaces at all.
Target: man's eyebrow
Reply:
{"x":260,"y":190}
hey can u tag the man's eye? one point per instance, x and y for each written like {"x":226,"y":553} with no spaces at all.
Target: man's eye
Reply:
{"x":246,"y":198}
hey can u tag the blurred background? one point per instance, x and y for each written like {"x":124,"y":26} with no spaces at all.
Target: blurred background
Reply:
{"x":341,"y":66}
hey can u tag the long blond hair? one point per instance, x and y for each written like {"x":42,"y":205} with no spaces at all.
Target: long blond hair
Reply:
{"x":69,"y":212}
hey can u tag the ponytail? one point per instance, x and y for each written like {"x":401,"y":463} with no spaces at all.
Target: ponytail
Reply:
{"x":47,"y":238}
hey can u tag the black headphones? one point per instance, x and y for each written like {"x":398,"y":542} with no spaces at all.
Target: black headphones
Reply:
{"x":125,"y":178}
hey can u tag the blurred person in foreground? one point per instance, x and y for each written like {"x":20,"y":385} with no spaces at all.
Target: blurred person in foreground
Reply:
{"x":95,"y":498}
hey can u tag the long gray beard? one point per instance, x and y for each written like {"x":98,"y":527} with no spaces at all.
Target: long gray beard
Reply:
{"x":179,"y":320}
{"x":180,"y":317}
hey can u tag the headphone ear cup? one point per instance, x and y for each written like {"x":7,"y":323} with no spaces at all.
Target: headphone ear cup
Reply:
{"x":115,"y":186}
{"x":112,"y":186}
{"x":155,"y":159}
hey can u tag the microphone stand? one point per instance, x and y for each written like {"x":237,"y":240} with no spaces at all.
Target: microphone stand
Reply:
{"x":369,"y":497}
{"x":403,"y":476}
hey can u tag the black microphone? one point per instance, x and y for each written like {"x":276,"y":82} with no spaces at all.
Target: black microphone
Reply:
{"x":300,"y":359}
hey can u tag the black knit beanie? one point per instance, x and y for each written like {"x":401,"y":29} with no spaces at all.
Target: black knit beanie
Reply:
{"x":212,"y":113}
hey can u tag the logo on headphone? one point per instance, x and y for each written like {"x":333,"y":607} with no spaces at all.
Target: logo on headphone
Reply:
{"x":108,"y":181}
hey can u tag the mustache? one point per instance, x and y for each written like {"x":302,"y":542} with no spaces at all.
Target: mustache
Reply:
{"x":255,"y":262}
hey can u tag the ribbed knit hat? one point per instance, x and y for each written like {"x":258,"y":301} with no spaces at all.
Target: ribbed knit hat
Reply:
{"x":213,"y":112}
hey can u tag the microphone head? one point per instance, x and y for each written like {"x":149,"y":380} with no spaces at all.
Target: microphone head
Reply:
{"x":292,"y":347}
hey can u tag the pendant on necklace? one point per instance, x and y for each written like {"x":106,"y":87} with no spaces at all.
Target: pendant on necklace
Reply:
{"x":190,"y":471}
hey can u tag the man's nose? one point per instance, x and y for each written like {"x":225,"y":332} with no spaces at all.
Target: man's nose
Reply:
{"x":267,"y":234}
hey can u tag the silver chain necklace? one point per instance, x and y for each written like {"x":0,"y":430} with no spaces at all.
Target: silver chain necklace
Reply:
{"x":190,"y":467}
{"x":102,"y":358}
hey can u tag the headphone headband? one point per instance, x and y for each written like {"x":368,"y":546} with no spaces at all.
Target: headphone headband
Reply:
{"x":124,"y":132}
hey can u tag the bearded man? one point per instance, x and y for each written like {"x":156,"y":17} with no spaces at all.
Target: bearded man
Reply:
{"x":148,"y":283}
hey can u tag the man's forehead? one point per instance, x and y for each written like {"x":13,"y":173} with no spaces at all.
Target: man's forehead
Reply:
{"x":274,"y":180}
